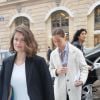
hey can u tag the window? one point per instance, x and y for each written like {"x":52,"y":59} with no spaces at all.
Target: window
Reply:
{"x":97,"y":18}
{"x":96,"y":39}
{"x":60,"y":19}
{"x":97,"y":25}
{"x":22,"y":20}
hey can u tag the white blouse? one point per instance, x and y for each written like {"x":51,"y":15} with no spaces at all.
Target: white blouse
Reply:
{"x":18,"y":82}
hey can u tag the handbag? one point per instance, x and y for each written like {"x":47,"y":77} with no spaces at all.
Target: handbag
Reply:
{"x":11,"y":94}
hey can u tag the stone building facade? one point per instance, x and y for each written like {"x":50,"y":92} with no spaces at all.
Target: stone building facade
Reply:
{"x":41,"y":16}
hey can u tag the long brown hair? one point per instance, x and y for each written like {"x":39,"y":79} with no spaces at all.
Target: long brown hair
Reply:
{"x":31,"y":44}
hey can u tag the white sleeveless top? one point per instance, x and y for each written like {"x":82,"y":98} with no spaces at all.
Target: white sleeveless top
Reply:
{"x":18,"y":82}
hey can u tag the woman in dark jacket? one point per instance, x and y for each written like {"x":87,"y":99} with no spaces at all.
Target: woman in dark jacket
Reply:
{"x":25,"y":72}
{"x":78,"y":40}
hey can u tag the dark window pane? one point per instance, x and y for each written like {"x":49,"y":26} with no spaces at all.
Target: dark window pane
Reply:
{"x":97,"y":18}
{"x":60,"y":19}
{"x":22,"y":20}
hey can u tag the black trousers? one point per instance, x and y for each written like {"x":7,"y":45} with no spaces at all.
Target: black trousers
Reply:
{"x":67,"y":97}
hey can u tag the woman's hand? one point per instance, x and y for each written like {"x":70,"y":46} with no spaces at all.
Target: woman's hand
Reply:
{"x":89,"y":67}
{"x":78,"y":83}
{"x":61,"y":70}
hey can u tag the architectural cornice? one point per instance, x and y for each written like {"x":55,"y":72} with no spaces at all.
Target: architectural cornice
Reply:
{"x":20,"y":15}
{"x":70,"y":13}
{"x":93,"y":7}
{"x":97,"y":32}
{"x":57,"y":2}
{"x":12,"y":2}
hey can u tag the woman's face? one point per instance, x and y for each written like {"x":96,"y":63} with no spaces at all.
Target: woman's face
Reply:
{"x":82,"y":36}
{"x":58,"y":41}
{"x":18,"y":42}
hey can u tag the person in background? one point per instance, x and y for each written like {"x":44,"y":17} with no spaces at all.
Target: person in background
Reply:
{"x":25,"y":72}
{"x":66,"y":36}
{"x":48,"y":53}
{"x":68,"y":66}
{"x":78,"y":40}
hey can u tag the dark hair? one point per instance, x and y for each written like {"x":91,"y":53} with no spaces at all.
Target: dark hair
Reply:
{"x":58,"y":31}
{"x":77,"y":34}
{"x":31,"y":44}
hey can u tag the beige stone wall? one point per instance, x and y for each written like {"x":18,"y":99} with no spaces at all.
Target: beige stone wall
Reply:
{"x":2,"y":1}
{"x":80,"y":9}
{"x":37,"y":11}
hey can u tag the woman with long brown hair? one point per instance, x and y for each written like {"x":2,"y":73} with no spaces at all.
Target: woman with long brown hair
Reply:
{"x":25,"y":72}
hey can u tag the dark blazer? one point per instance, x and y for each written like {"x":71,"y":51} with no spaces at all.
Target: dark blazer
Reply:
{"x":39,"y":83}
{"x":48,"y":54}
{"x":77,"y":44}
